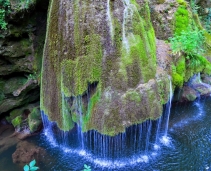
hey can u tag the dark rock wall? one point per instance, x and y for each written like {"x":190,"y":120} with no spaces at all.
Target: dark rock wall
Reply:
{"x":21,"y":47}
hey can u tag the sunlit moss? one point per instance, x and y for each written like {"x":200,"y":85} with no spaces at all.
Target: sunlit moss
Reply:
{"x":181,"y":20}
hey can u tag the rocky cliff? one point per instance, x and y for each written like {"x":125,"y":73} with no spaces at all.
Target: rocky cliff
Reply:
{"x":99,"y":66}
{"x":22,"y":36}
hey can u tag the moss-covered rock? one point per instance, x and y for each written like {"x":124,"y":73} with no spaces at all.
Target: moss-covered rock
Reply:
{"x":21,"y":48}
{"x":187,"y":94}
{"x":16,"y":92}
{"x":16,"y":122}
{"x":34,"y":120}
{"x":101,"y":82}
{"x":26,"y":118}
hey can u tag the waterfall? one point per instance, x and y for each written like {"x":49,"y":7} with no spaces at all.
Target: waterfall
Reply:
{"x":157,"y":136}
{"x":127,"y":24}
{"x":165,"y":139}
{"x":109,"y":18}
{"x":168,"y":109}
{"x":196,"y":81}
{"x":148,"y":136}
{"x":80,"y":124}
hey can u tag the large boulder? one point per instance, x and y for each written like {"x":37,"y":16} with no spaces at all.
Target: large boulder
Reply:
{"x":26,"y":152}
{"x":7,"y":140}
{"x":26,"y":120}
{"x":100,"y":68}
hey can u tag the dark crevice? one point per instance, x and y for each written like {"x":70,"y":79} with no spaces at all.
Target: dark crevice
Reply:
{"x":91,"y":90}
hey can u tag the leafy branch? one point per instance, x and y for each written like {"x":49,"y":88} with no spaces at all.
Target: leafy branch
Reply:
{"x":86,"y":168}
{"x":31,"y":166}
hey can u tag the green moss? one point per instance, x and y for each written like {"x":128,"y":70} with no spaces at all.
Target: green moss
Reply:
{"x":181,"y":66}
{"x":161,"y":1}
{"x":178,"y":73}
{"x":16,"y":122}
{"x":181,"y":20}
{"x":73,"y":62}
{"x":35,"y":114}
{"x":133,"y":96}
{"x":207,"y":44}
{"x":177,"y":80}
{"x":136,"y":62}
{"x":163,"y":87}
{"x":2,"y":96}
{"x":15,"y":113}
{"x":207,"y":69}
{"x":34,"y":119}
{"x":91,"y":106}
{"x":77,"y":74}
{"x":68,"y":123}
{"x":182,"y":2}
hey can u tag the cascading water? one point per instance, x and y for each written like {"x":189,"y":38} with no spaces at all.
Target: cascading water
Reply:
{"x":168,"y":109}
{"x":137,"y":144}
{"x":127,"y":33}
{"x":109,"y":18}
{"x":133,"y":146}
{"x":165,"y":138}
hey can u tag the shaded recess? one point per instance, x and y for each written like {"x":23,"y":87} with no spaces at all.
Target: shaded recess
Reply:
{"x":93,"y":79}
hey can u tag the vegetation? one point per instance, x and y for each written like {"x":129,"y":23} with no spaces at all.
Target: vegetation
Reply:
{"x":31,"y":166}
{"x":4,"y":9}
{"x":189,"y":42}
{"x":181,"y":19}
{"x":194,"y":7}
{"x":86,"y":168}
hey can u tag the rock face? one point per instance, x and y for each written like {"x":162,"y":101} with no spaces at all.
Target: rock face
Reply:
{"x":26,"y":152}
{"x":196,"y":87}
{"x":7,"y":139}
{"x":162,"y":16}
{"x":26,"y":119}
{"x":21,"y":47}
{"x":99,"y":66}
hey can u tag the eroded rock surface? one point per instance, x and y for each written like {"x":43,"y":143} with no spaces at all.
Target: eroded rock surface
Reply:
{"x":26,"y":152}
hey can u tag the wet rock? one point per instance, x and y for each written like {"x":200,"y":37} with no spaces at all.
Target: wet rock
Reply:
{"x":188,"y":94}
{"x":26,"y":120}
{"x":21,"y":46}
{"x":162,"y":16}
{"x":163,"y":55}
{"x":26,"y":152}
{"x":16,"y":91}
{"x":202,"y":88}
{"x":34,"y":120}
{"x":14,"y":49}
{"x":6,"y":138}
{"x":206,"y":79}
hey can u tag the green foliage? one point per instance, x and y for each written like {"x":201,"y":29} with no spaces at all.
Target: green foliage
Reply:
{"x":31,"y":166}
{"x":177,"y":80}
{"x":181,"y":20}
{"x":182,"y":2}
{"x":34,"y":119}
{"x":176,"y":77}
{"x":17,"y":121}
{"x":4,"y":9}
{"x":32,"y":76}
{"x":86,"y":168}
{"x":194,"y":7}
{"x":189,"y":42}
{"x":180,"y":67}
{"x":206,"y":20}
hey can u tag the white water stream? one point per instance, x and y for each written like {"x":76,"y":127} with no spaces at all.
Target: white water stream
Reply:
{"x":109,"y":18}
{"x":127,"y":24}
